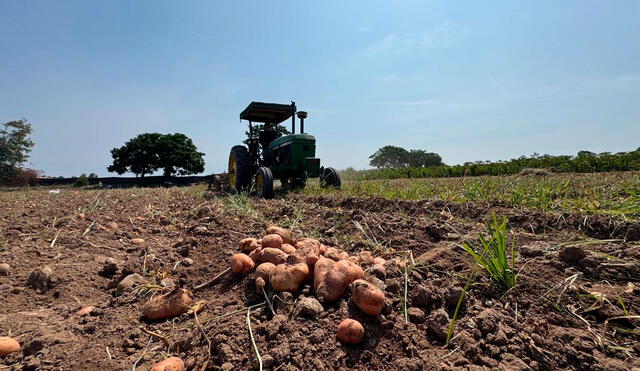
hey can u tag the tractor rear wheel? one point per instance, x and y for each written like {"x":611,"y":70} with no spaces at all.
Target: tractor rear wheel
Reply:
{"x":239,"y":169}
{"x":330,"y":178}
{"x":264,"y":182}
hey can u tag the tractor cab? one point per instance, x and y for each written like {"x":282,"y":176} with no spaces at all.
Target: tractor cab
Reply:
{"x":272,"y":154}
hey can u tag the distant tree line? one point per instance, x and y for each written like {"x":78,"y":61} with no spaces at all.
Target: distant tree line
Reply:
{"x":582,"y":162}
{"x":15,"y":147}
{"x":394,"y":157}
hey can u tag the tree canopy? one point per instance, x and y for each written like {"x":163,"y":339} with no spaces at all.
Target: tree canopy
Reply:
{"x":15,"y":146}
{"x":394,"y":157}
{"x":149,"y":152}
{"x":257,"y":127}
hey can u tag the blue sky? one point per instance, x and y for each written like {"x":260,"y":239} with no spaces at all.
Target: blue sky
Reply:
{"x":469,"y":80}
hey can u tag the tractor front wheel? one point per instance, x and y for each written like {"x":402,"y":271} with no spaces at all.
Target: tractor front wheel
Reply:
{"x":239,"y":169}
{"x":330,"y":178}
{"x":264,"y":182}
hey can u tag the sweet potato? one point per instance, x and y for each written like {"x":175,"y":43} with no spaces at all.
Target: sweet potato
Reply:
{"x":309,"y":250}
{"x":322,"y":249}
{"x":272,"y":240}
{"x":286,"y":277}
{"x":264,"y":270}
{"x":367,"y":296}
{"x":272,"y":255}
{"x":137,"y":241}
{"x":255,"y":255}
{"x":169,"y":364}
{"x":350,"y":331}
{"x":343,"y":255}
{"x":246,"y":245}
{"x":320,"y":270}
{"x":85,"y":310}
{"x":287,"y":248}
{"x":366,"y":258}
{"x":354,"y":259}
{"x":168,"y":305}
{"x":8,"y":346}
{"x":337,"y":279}
{"x":287,"y":236}
{"x":332,"y":253}
{"x":241,"y":264}
{"x":379,"y":260}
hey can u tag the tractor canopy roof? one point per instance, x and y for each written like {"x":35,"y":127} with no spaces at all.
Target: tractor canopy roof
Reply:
{"x":272,"y":113}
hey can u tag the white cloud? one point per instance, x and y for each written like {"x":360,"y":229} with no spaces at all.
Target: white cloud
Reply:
{"x":442,"y":36}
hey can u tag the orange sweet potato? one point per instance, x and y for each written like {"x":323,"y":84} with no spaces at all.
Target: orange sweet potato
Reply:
{"x":8,"y":345}
{"x":241,"y":264}
{"x":169,"y":364}
{"x":246,"y":245}
{"x":350,"y":331}
{"x":272,"y":240}
{"x":272,"y":255}
{"x":168,"y":305}
{"x":287,"y":236}
{"x":287,"y":277}
{"x":320,"y":270}
{"x":264,"y":270}
{"x":380,"y":261}
{"x":287,"y":248}
{"x":336,"y":280}
{"x":255,"y":255}
{"x":367,"y":296}
{"x":332,"y":253}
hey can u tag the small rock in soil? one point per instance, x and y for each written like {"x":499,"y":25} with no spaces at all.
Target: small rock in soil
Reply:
{"x":129,"y":282}
{"x":4,"y":269}
{"x":112,"y":225}
{"x":187,"y":261}
{"x":137,"y":241}
{"x":109,"y":267}
{"x":423,"y":297}
{"x":310,"y":307}
{"x":531,"y":251}
{"x":452,"y":296}
{"x":378,"y":282}
{"x":416,"y":315}
{"x":572,"y":254}
{"x":438,"y":325}
{"x":168,"y":283}
{"x":41,"y":279}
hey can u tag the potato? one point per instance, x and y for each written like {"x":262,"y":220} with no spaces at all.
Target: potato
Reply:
{"x":367,"y":296}
{"x":287,"y":236}
{"x":332,"y":253}
{"x":354,"y":259}
{"x":8,"y":346}
{"x":380,"y":261}
{"x":287,"y":248}
{"x":247,"y":245}
{"x":85,"y":310}
{"x":308,"y":242}
{"x":366,"y":258}
{"x":112,"y":225}
{"x":169,"y":364}
{"x":137,"y":241}
{"x":168,"y":305}
{"x":272,"y":240}
{"x":309,"y":249}
{"x":255,"y":255}
{"x":241,"y":264}
{"x":350,"y":331}
{"x":287,"y":277}
{"x":272,"y":255}
{"x":320,"y":270}
{"x":264,"y":270}
{"x":337,"y":279}
{"x":343,"y":255}
{"x":322,"y":249}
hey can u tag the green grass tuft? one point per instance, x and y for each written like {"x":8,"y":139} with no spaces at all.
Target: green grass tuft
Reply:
{"x":492,"y":256}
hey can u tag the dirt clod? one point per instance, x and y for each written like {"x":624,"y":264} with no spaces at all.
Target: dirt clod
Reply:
{"x":572,"y":254}
{"x":309,"y":306}
{"x":438,"y":325}
{"x":129,"y":282}
{"x":41,"y":280}
{"x":416,"y":315}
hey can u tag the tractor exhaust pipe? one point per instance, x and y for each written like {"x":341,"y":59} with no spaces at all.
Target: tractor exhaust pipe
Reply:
{"x":301,"y":115}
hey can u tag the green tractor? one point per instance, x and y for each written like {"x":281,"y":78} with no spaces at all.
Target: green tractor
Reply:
{"x":270,"y":155}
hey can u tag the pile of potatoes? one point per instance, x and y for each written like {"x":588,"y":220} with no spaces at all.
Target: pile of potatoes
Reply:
{"x":286,"y":263}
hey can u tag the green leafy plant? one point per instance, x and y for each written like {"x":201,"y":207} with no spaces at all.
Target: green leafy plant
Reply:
{"x":492,"y":256}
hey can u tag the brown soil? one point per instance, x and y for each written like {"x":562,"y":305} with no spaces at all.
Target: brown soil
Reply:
{"x":549,"y":321}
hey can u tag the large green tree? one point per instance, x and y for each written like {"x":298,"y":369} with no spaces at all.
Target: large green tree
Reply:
{"x":149,"y":152}
{"x":15,"y":146}
{"x":394,"y":157}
